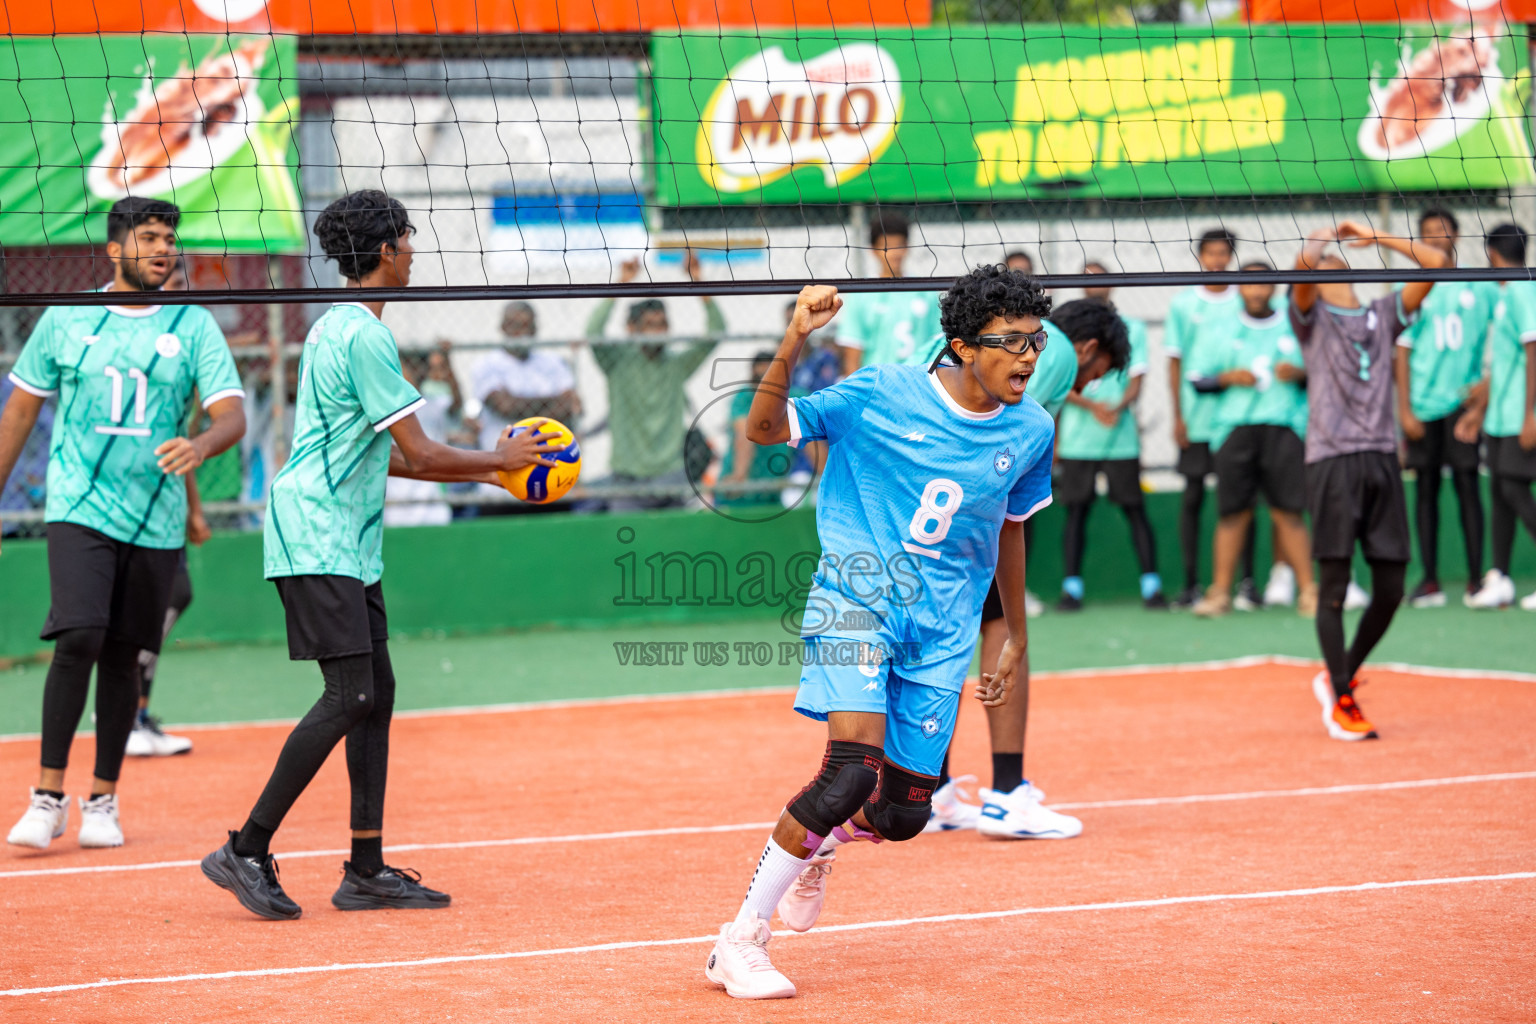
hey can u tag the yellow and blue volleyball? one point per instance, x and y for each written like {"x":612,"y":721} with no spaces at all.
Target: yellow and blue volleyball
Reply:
{"x":540,"y":484}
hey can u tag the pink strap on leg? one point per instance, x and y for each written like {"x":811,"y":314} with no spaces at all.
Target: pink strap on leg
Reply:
{"x":848,"y":832}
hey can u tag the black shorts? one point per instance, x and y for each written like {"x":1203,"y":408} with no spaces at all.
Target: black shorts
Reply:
{"x":1358,"y":497}
{"x":331,"y":616}
{"x":1195,"y":461}
{"x":1076,"y":477}
{"x":96,"y":582}
{"x":1439,"y":447}
{"x":992,"y":604}
{"x":1507,"y":459}
{"x":1261,"y":457}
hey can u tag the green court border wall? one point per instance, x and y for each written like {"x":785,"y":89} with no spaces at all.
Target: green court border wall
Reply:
{"x":539,"y":571}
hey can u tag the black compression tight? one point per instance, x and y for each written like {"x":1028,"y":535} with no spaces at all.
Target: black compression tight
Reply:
{"x":1469,"y":500}
{"x":1386,"y":594}
{"x":1189,"y":528}
{"x":75,"y":653}
{"x":1074,"y":538}
{"x":1512,"y":501}
{"x":358,"y":704}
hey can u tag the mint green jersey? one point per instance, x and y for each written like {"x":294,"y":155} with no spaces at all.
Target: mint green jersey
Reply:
{"x":124,"y":379}
{"x":324,"y":516}
{"x":1199,"y":322}
{"x":890,"y":327}
{"x":1258,"y":346}
{"x":1447,"y":346}
{"x":1080,"y":436}
{"x":1055,"y":370}
{"x":1514,"y":324}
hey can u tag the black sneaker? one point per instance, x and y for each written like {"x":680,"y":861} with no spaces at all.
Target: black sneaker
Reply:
{"x":1068,"y":603}
{"x":1249,"y":597}
{"x":253,"y":880}
{"x":392,"y":887}
{"x":1187,"y":598}
{"x":1157,"y":602}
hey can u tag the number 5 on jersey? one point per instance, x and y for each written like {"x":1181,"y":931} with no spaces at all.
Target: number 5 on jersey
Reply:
{"x":930,"y":523}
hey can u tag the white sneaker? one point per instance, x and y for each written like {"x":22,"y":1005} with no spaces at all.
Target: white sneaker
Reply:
{"x":1021,"y":815}
{"x":1497,"y":591}
{"x":98,"y":822}
{"x":1280,"y":590}
{"x":147,"y":740}
{"x":44,"y":822}
{"x":950,"y":811}
{"x":1355,"y":598}
{"x":1528,"y":602}
{"x":801,"y":905}
{"x":1033,"y":606}
{"x":740,"y":961}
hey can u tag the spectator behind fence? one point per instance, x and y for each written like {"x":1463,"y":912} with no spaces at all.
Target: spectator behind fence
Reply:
{"x":27,"y":486}
{"x":520,"y":380}
{"x":647,"y":406}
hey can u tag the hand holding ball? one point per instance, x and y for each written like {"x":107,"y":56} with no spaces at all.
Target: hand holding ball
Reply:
{"x":559,"y":466}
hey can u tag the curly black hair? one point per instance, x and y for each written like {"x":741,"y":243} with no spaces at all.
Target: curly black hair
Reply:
{"x":353,"y":229}
{"x":1084,"y":319}
{"x":983,"y":295}
{"x":127,"y":214}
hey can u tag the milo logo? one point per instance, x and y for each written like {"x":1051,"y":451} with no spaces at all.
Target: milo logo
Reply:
{"x":771,"y":114}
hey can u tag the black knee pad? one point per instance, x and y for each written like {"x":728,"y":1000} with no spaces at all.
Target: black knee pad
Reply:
{"x":901,"y":809}
{"x":849,"y":773}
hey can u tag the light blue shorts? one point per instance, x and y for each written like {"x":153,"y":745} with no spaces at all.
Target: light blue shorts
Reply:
{"x":919,"y":719}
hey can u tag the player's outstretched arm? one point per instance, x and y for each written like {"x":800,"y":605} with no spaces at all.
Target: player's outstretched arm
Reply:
{"x":994,"y":688}
{"x":1413,"y":294}
{"x":16,"y":425}
{"x":768,"y":420}
{"x":226,"y":426}
{"x":1305,"y":294}
{"x":417,"y":457}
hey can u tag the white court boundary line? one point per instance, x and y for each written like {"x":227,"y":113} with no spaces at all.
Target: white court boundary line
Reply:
{"x":755,"y":826}
{"x":1247,"y":661}
{"x":699,"y":940}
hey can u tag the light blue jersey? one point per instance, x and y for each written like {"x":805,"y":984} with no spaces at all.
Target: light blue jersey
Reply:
{"x":912,"y":499}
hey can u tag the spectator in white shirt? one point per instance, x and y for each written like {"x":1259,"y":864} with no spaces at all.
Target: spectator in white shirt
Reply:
{"x":520,"y":380}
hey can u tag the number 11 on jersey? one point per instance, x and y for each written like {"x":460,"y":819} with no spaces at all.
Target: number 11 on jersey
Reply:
{"x":140,"y":402}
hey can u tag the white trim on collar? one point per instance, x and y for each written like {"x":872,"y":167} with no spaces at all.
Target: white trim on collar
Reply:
{"x":955,"y":407}
{"x":1225,"y":295}
{"x":1273,"y":319}
{"x":359,"y":305}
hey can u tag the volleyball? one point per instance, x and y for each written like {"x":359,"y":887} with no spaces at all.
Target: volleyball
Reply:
{"x":542,"y":484}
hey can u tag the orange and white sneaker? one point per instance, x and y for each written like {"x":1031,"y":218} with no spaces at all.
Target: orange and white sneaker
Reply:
{"x":801,"y":906}
{"x":740,"y":961}
{"x":1342,"y":717}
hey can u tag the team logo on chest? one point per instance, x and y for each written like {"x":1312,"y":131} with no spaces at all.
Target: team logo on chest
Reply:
{"x":1003,"y":461}
{"x":168,"y":345}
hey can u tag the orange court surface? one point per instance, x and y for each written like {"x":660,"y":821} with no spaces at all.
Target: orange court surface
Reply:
{"x":1235,"y":865}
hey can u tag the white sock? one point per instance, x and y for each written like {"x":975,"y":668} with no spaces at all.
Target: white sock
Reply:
{"x":829,"y":844}
{"x":777,"y":870}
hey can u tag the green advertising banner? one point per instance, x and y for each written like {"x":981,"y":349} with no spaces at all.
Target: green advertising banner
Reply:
{"x":1009,"y":112}
{"x":205,"y":121}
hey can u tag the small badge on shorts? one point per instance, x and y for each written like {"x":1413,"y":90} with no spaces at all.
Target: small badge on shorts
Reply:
{"x":1003,"y":461}
{"x":168,"y":345}
{"x":931,"y":726}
